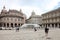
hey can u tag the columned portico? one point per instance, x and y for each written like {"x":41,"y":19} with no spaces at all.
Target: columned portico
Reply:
{"x":52,"y":17}
{"x":2,"y":24}
{"x":50,"y":25}
{"x":58,"y":25}
{"x":54,"y":26}
{"x":47,"y":25}
{"x":19,"y":24}
{"x":11,"y":18}
{"x":6,"y":25}
{"x":9,"y":25}
{"x":13,"y":25}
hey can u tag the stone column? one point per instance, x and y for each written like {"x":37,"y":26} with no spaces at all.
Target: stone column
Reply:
{"x":47,"y":25}
{"x":58,"y":25}
{"x":13,"y":24}
{"x":6,"y":25}
{"x":50,"y":25}
{"x":2,"y":24}
{"x":17,"y":24}
{"x":54,"y":25}
{"x":9,"y":25}
{"x":20,"y":24}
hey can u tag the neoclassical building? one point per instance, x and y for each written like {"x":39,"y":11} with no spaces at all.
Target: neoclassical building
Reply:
{"x":11,"y":18}
{"x":34,"y":19}
{"x":51,"y":18}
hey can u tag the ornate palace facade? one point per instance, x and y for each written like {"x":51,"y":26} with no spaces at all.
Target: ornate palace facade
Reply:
{"x":34,"y":19}
{"x":51,"y":19}
{"x":11,"y":18}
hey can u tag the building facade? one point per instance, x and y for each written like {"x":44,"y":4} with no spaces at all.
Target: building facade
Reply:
{"x":11,"y":18}
{"x":51,"y":19}
{"x":34,"y":19}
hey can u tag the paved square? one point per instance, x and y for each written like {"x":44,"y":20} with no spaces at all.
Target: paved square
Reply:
{"x":26,"y":34}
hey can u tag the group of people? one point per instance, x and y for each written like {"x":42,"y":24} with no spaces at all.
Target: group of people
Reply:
{"x":46,"y":30}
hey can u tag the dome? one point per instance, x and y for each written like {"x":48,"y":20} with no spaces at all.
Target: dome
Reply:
{"x":33,"y":13}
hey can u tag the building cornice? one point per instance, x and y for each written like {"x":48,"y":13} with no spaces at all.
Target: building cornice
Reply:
{"x":58,"y":9}
{"x":10,"y":15}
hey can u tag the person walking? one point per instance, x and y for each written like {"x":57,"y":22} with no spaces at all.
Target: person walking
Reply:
{"x":46,"y":31}
{"x":35,"y":29}
{"x":17,"y":29}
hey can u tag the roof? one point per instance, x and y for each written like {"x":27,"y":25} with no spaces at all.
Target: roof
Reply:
{"x":58,"y":9}
{"x":35,"y":16}
{"x":14,"y":11}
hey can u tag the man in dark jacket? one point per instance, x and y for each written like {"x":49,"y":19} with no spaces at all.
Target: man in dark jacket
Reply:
{"x":46,"y":31}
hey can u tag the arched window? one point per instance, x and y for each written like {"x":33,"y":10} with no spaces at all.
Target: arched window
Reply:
{"x":19,"y":24}
{"x":11,"y":24}
{"x":7,"y":24}
{"x":15,"y":24}
{"x":4,"y":25}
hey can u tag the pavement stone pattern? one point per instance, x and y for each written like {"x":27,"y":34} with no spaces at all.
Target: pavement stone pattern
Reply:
{"x":29,"y":34}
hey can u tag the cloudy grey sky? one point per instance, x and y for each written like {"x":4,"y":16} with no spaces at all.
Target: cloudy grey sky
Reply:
{"x":27,"y":6}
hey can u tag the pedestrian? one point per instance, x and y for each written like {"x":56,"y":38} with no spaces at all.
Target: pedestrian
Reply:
{"x":17,"y":29}
{"x":46,"y":31}
{"x":35,"y":29}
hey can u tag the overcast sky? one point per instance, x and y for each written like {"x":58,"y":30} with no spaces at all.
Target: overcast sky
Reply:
{"x":27,"y":6}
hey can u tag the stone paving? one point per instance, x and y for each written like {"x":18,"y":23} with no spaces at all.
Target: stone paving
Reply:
{"x":25,"y":34}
